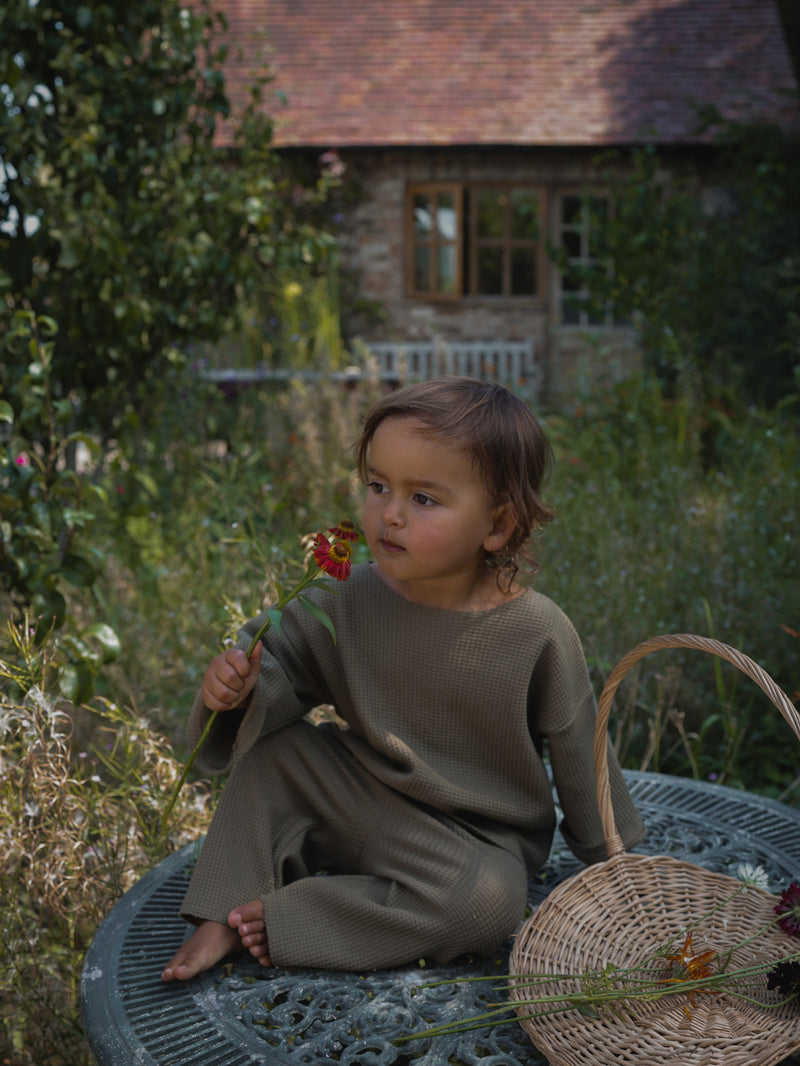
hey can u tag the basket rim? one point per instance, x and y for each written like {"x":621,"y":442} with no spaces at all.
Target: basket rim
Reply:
{"x":613,"y":841}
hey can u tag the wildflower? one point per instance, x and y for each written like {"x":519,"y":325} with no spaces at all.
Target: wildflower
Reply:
{"x":333,"y":558}
{"x":344,"y":531}
{"x":752,"y":875}
{"x":22,"y":460}
{"x":691,"y":967}
{"x":785,"y":978}
{"x":789,"y":907}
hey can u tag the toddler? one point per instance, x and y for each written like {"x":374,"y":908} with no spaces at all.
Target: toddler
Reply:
{"x":413,"y":831}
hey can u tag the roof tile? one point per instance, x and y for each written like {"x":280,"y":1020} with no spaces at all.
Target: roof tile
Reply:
{"x":532,"y":72}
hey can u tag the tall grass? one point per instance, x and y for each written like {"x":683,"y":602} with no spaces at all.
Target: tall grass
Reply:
{"x":668,"y":519}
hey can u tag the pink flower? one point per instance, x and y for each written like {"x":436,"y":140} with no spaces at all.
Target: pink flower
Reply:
{"x":22,"y":460}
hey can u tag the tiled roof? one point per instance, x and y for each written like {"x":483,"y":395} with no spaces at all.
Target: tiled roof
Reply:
{"x":521,"y":72}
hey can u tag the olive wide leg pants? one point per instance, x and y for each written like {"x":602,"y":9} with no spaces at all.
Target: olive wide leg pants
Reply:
{"x":401,"y":882}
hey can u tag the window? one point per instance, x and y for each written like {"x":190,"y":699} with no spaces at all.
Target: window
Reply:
{"x":436,"y":241}
{"x":473,"y":240}
{"x":579,"y":220}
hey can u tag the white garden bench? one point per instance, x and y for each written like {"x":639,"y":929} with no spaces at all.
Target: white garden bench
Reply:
{"x":509,"y":363}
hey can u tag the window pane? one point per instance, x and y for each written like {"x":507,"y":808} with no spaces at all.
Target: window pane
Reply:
{"x":422,"y":268}
{"x":490,"y":271}
{"x":423,"y":214}
{"x":571,"y":311}
{"x":491,"y":209}
{"x":571,"y":283}
{"x":447,"y":269}
{"x":571,"y":210}
{"x":524,"y":213}
{"x":572,"y":244}
{"x":523,"y":272}
{"x":446,"y":216}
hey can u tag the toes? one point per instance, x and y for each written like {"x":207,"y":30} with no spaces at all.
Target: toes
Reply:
{"x":246,"y":915}
{"x":251,"y":929}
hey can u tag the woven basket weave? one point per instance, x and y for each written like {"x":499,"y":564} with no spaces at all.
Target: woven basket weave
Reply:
{"x":622,"y":910}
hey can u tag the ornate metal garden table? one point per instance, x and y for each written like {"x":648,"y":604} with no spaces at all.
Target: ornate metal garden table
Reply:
{"x":240,"y":1013}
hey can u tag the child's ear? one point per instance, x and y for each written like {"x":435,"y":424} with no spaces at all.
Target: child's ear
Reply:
{"x":503,"y":524}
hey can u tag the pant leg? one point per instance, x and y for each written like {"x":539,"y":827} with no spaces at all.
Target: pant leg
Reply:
{"x":403,"y":882}
{"x":425,"y":888}
{"x":287,"y":797}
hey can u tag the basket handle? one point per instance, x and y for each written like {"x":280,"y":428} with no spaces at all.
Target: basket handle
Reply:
{"x":613,"y":841}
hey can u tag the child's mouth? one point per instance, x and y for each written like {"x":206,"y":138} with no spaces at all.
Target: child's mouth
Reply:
{"x":390,"y":546}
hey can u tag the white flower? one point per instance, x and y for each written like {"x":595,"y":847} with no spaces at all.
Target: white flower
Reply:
{"x":752,"y":875}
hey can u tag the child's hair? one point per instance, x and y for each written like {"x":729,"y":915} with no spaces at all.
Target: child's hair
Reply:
{"x":500,"y":433}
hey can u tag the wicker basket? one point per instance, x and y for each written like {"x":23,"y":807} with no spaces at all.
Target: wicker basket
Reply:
{"x":622,"y":910}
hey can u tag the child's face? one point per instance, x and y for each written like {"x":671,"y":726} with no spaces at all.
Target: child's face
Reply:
{"x":428,"y":517}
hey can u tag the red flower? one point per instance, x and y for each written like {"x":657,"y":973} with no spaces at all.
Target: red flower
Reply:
{"x":333,"y":558}
{"x":344,"y":531}
{"x":789,"y":907}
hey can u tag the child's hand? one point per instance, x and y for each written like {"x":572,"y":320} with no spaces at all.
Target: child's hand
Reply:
{"x":230,"y":678}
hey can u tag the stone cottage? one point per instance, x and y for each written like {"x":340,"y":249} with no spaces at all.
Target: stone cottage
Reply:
{"x":471,"y":129}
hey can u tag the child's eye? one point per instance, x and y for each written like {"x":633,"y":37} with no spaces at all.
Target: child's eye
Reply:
{"x":422,"y":498}
{"x":376,"y":486}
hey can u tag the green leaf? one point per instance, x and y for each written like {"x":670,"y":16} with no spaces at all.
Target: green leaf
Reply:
{"x":319,"y":614}
{"x":77,"y":570}
{"x":274,"y":616}
{"x":147,"y":482}
{"x":51,"y":611}
{"x":76,"y":682}
{"x":107,"y":638}
{"x":6,"y":412}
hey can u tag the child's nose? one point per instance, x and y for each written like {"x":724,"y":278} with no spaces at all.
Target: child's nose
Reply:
{"x":392,"y":512}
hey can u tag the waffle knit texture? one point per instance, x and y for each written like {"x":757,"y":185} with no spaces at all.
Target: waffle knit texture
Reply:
{"x":432,"y":808}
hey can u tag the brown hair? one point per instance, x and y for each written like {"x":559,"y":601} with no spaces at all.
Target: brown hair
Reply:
{"x":497,"y":429}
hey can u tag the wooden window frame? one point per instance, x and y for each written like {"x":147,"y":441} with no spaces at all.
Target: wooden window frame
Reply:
{"x":435,"y":242}
{"x":507,"y":242}
{"x":466,"y":268}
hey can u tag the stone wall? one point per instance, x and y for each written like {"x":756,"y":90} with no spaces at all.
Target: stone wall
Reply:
{"x":373,"y":241}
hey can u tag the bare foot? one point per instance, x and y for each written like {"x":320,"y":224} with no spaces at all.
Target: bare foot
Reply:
{"x":210,"y":942}
{"x":248,"y":921}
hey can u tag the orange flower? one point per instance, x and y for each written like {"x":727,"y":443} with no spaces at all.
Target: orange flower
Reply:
{"x":691,"y":967}
{"x":344,"y":531}
{"x":333,"y":558}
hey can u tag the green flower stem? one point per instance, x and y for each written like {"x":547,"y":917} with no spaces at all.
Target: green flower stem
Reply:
{"x":621,"y":987}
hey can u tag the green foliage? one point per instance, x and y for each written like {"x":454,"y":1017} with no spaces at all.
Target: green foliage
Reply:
{"x":651,"y":540}
{"x":706,"y":261}
{"x":122,"y":219}
{"x":648,"y":538}
{"x":48,"y":509}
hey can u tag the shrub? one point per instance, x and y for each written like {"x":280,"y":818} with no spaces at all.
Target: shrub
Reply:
{"x":81,"y":798}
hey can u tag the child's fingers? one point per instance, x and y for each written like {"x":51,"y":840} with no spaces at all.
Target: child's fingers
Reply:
{"x":254,"y":663}
{"x":235,"y":666}
{"x":228,"y":680}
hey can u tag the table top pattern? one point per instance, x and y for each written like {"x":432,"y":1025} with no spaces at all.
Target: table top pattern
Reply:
{"x":240,"y":1013}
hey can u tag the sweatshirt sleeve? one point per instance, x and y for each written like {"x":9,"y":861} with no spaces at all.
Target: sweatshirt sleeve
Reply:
{"x":289,"y":685}
{"x":563,"y":709}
